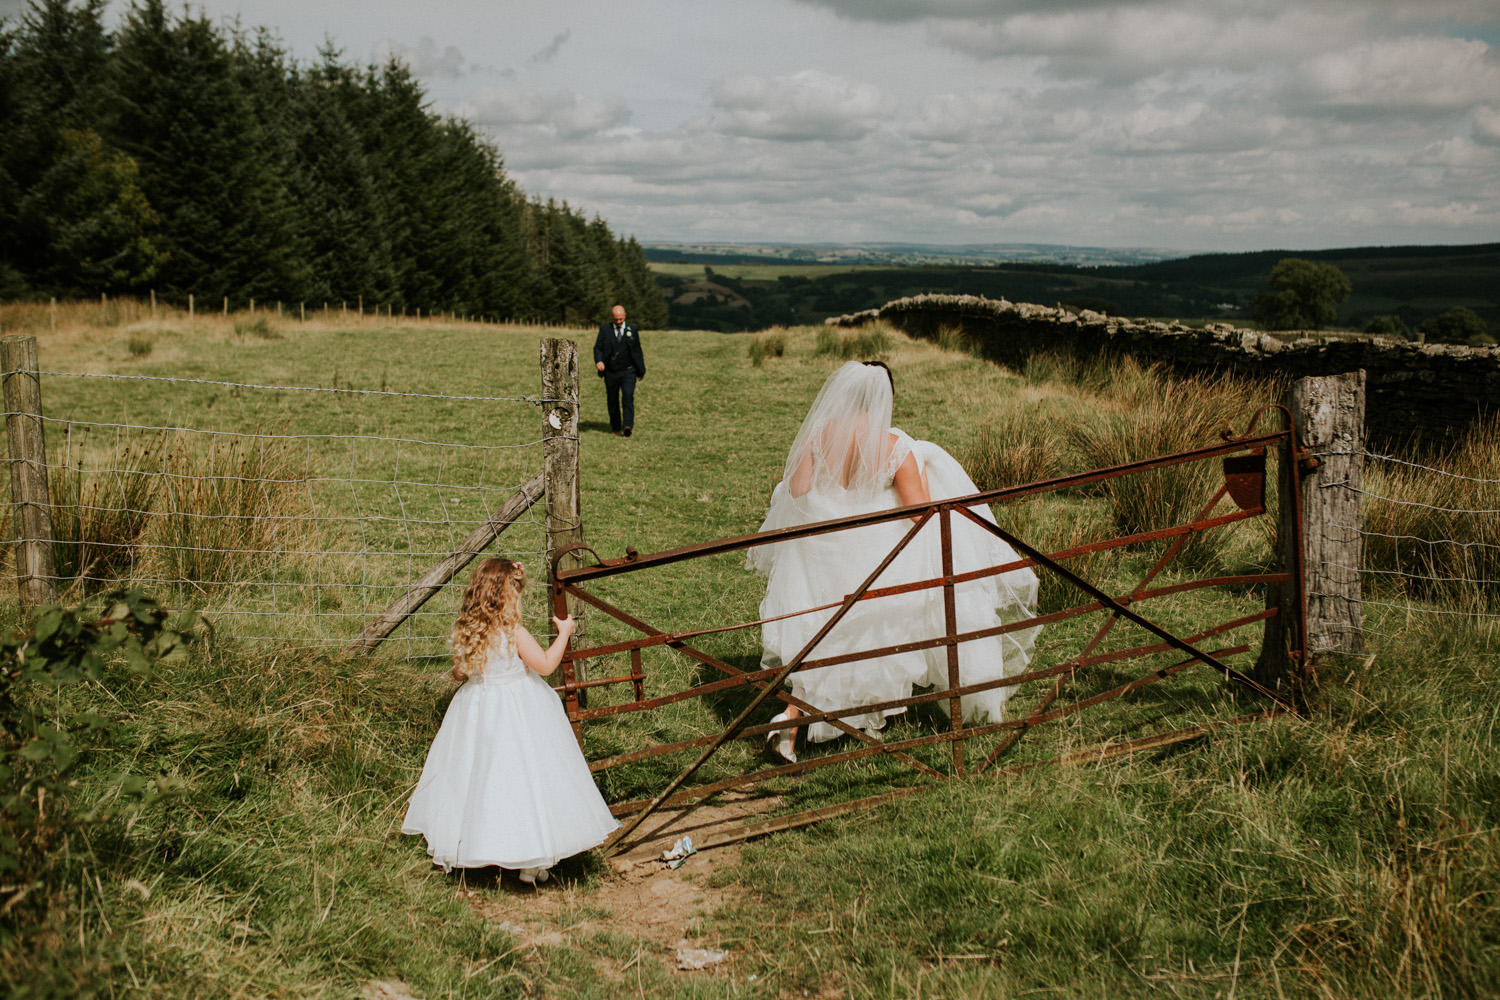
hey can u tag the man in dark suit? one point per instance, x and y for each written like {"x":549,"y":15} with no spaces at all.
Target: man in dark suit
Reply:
{"x":617,"y":356}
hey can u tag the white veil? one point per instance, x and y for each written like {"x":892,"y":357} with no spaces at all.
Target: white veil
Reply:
{"x":842,"y":458}
{"x":844,"y":443}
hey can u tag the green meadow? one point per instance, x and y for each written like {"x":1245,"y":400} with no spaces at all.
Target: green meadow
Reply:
{"x":1348,"y":852}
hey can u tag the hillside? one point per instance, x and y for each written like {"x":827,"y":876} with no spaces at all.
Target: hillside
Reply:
{"x":1414,"y":282}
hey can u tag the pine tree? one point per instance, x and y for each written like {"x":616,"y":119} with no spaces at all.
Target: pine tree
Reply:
{"x":177,"y":106}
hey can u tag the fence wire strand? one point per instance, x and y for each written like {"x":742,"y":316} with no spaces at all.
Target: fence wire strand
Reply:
{"x":300,"y":538}
{"x":1450,"y":569}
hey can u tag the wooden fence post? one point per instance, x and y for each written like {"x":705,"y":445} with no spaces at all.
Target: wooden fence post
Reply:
{"x":30,"y":499}
{"x":560,"y":461}
{"x":1324,"y":481}
{"x":153,"y":305}
{"x":190,"y":305}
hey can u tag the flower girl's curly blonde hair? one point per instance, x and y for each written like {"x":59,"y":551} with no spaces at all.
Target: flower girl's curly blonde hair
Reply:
{"x":491,"y":605}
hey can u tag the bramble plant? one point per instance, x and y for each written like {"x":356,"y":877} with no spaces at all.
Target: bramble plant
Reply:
{"x":40,"y":737}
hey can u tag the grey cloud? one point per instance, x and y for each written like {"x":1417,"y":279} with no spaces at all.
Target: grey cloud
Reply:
{"x":1128,"y":43}
{"x":807,"y":105}
{"x":566,"y":113}
{"x":553,"y":47}
{"x":1487,"y":124}
{"x":11,"y":11}
{"x":424,"y":60}
{"x":1413,"y":75}
{"x":895,"y":11}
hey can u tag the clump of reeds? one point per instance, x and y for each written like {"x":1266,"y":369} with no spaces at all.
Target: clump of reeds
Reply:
{"x":230,"y":508}
{"x":139,"y":345}
{"x":766,"y":345}
{"x":1435,"y":536}
{"x":1155,"y":414}
{"x":1013,"y":450}
{"x":261,"y":328}
{"x":952,"y":338}
{"x":101,"y":509}
{"x":870,"y":343}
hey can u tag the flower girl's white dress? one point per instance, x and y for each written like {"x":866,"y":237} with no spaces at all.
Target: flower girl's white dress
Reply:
{"x":505,"y":783}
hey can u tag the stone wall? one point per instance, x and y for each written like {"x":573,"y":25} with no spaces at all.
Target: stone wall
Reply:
{"x":1434,"y":389}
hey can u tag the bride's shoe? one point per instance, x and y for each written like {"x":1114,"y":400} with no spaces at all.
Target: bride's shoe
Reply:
{"x":781,"y":741}
{"x":532,"y":876}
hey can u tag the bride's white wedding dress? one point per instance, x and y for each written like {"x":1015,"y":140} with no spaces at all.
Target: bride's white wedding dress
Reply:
{"x":823,"y":569}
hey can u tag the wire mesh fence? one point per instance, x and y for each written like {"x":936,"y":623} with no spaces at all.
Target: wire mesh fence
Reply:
{"x":274,"y":528}
{"x":1429,"y":531}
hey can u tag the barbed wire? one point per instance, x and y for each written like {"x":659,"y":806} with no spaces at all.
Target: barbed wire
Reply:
{"x":1366,"y":453}
{"x":534,"y":400}
{"x":1434,"y":566}
{"x":1405,"y":503}
{"x":260,"y":528}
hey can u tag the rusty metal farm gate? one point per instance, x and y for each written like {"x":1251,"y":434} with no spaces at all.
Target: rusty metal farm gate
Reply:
{"x":939,"y":745}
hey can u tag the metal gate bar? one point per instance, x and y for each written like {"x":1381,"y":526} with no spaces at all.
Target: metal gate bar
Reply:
{"x":1244,"y":478}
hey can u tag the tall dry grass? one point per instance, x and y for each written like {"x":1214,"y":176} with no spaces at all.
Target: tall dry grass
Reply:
{"x":203,"y":512}
{"x":867,"y":343}
{"x":766,"y":345}
{"x":1015,"y":448}
{"x":1147,"y":413}
{"x":102,"y":505}
{"x":231,"y":508}
{"x":1435,"y":535}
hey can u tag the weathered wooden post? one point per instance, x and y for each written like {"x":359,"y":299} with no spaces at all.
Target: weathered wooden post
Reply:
{"x":564,"y":524}
{"x":1321,"y":483}
{"x":153,"y":305}
{"x":30,"y":500}
{"x":190,"y":305}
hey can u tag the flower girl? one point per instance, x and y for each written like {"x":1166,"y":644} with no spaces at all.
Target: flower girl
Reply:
{"x":504,"y":782}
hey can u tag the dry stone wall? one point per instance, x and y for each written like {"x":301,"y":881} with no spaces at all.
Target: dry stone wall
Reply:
{"x":1435,"y":390}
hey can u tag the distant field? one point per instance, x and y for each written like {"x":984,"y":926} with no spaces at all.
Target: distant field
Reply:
{"x":754,"y":272}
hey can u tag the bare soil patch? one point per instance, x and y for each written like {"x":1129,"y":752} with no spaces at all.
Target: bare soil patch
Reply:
{"x":642,"y":897}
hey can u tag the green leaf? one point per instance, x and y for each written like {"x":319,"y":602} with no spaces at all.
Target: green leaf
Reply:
{"x":35,"y":750}
{"x":47,"y":624}
{"x":63,"y":755}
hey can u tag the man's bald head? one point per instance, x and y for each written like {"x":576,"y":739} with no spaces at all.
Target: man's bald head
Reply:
{"x":618,"y":312}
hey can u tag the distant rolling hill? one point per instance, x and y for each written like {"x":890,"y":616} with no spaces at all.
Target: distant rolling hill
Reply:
{"x":769,"y":288}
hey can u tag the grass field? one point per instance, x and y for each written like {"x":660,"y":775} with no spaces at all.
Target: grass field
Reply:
{"x":753,"y":272}
{"x":1350,"y":853}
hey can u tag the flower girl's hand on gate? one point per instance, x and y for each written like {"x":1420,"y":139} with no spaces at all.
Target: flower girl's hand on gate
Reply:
{"x":565,"y":626}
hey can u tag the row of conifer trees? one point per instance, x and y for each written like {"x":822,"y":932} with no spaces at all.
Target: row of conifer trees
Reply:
{"x":178,"y":155}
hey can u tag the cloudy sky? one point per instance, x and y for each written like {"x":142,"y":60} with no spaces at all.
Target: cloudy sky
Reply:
{"x":1190,"y":124}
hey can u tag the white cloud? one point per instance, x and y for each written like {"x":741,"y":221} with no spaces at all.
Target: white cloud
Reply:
{"x":424,"y":60}
{"x":563,"y":113}
{"x":1487,"y":123}
{"x":806,"y":105}
{"x":1412,"y":74}
{"x":1127,"y":42}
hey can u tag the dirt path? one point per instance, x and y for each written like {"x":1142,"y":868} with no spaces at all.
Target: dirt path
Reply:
{"x":662,"y":907}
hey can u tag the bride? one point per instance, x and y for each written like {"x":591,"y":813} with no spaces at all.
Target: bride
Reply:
{"x":846,"y":460}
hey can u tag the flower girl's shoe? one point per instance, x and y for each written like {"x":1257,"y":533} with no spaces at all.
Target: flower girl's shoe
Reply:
{"x":781,"y":741}
{"x":531,"y":876}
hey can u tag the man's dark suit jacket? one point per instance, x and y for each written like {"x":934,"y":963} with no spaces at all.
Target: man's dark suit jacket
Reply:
{"x":617,"y":355}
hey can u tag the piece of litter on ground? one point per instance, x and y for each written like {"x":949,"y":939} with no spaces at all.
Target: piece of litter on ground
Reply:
{"x":690,"y":958}
{"x":680,"y":852}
